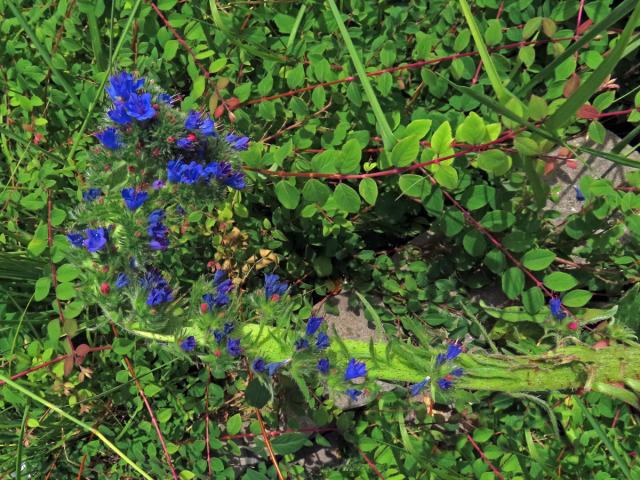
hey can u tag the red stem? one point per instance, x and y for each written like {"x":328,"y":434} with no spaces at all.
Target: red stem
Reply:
{"x":149,"y":409}
{"x":370,"y":463}
{"x":275,"y":433}
{"x":484,"y":457}
{"x":579,"y":17}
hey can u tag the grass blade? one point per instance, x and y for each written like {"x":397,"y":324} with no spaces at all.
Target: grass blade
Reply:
{"x":624,"y":465}
{"x":96,"y":41}
{"x":387,"y":135}
{"x":567,"y":110}
{"x":80,"y":423}
{"x":20,"y":441}
{"x":44,"y":54}
{"x":489,"y":66}
{"x":296,"y":27}
{"x":620,"y":12}
{"x":92,"y":106}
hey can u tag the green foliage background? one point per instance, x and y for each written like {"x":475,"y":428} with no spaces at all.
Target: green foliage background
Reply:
{"x":331,"y":234}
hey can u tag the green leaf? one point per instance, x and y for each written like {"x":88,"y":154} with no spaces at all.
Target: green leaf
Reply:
{"x":474,"y":243}
{"x":538,"y":259}
{"x":68,"y":272}
{"x":288,"y":195}
{"x":257,"y":394}
{"x":472,"y":130}
{"x":43,"y":284}
{"x":65,"y":291}
{"x":576,"y":298}
{"x":498,"y":220}
{"x":38,"y":243}
{"x":346,"y":198}
{"x":533,"y":300}
{"x":560,"y":281}
{"x":418,"y":128}
{"x":512,"y":282}
{"x":495,"y":162}
{"x":234,"y":424}
{"x":537,"y":108}
{"x":527,"y":146}
{"x":446,"y":175}
{"x":441,"y":139}
{"x":316,"y":191}
{"x":351,"y":155}
{"x":405,"y":151}
{"x":288,"y":443}
{"x":414,"y":185}
{"x":481,"y":435}
{"x":368,"y":189}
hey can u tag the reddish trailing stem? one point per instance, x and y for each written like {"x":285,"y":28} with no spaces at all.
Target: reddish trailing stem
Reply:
{"x":484,"y":457}
{"x":370,"y":463}
{"x":149,"y":409}
{"x":479,"y":69}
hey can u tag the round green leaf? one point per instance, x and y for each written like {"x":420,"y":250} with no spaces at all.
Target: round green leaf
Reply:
{"x":498,"y":220}
{"x":474,"y":243}
{"x":494,"y":161}
{"x":68,"y":272}
{"x":446,"y":175}
{"x":414,"y":185}
{"x":234,"y":424}
{"x":316,"y":191}
{"x":405,"y":151}
{"x":287,"y":194}
{"x":65,"y":291}
{"x":512,"y":282}
{"x":538,"y":259}
{"x":533,"y":300}
{"x":560,"y":281}
{"x":257,"y":395}
{"x":368,"y":188}
{"x":346,"y":198}
{"x":576,"y":298}
{"x":43,"y":284}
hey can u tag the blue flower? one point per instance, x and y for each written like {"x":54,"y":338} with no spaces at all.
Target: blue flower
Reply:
{"x":457,"y":372}
{"x":159,"y":295}
{"x":183,"y":143}
{"x":139,"y":107}
{"x":157,"y":231}
{"x":227,"y":328}
{"x":75,"y":239}
{"x":218,"y":335}
{"x":453,"y":351}
{"x":555,"y":305}
{"x":353,"y":393}
{"x":272,"y":368}
{"x":579,"y":194}
{"x":355,"y":369}
{"x":218,"y":170}
{"x":119,"y":114}
{"x":418,"y":387}
{"x":152,"y":278}
{"x":96,"y":239}
{"x":157,"y":184}
{"x":122,"y":85}
{"x":165,"y":98}
{"x":440,"y":359}
{"x":219,"y":276}
{"x":91,"y":194}
{"x":235,"y":181}
{"x":216,"y":301}
{"x":133,"y":199}
{"x":273,"y":287}
{"x":445,"y":384}
{"x":233,"y":347}
{"x":258,"y":365}
{"x":122,"y":280}
{"x":199,"y":121}
{"x":188,"y":344}
{"x":322,"y":341}
{"x":191,"y":173}
{"x":313,"y":324}
{"x":180,"y":210}
{"x":156,"y":216}
{"x":323,"y":366}
{"x":237,"y":143}
{"x":174,"y":170}
{"x":109,"y":138}
{"x":301,"y":344}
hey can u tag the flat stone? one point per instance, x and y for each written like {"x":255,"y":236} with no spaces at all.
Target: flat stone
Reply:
{"x":350,"y":321}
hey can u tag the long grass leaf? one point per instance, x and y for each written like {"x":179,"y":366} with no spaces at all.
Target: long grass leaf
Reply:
{"x":489,"y":66}
{"x":59,"y":76}
{"x":617,"y":14}
{"x":96,"y":41}
{"x":387,"y":135}
{"x":94,"y":102}
{"x":77,"y":421}
{"x":624,"y":465}
{"x":23,"y":425}
{"x":564,"y":114}
{"x":296,"y":27}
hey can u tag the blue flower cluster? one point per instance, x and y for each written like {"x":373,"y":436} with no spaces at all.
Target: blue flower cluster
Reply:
{"x":158,"y":233}
{"x":188,"y":344}
{"x":259,"y":366}
{"x":122,"y":280}
{"x":233,"y":347}
{"x":219,"y":335}
{"x":223,"y":286}
{"x":193,"y":172}
{"x":93,"y":239}
{"x":157,"y":287}
{"x":273,"y":287}
{"x":133,"y":199}
{"x":557,"y":310}
{"x":322,"y":341}
{"x":197,"y":121}
{"x":354,"y":370}
{"x":110,"y":138}
{"x":237,"y":143}
{"x":446,"y":382}
{"x":91,"y":195}
{"x":128,"y":104}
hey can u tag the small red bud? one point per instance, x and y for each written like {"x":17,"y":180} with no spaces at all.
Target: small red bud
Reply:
{"x":203,"y":308}
{"x":156,"y":152}
{"x":275,"y":297}
{"x":156,"y":106}
{"x":572,"y":326}
{"x":192,"y":137}
{"x":171,"y":139}
{"x":104,"y":288}
{"x":107,"y":168}
{"x":137,"y":234}
{"x":131,"y":168}
{"x":105,"y":269}
{"x":217,"y":353}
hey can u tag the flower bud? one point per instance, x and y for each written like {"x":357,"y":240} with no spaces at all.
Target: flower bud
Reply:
{"x":104,"y":288}
{"x":203,"y":308}
{"x":572,"y":326}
